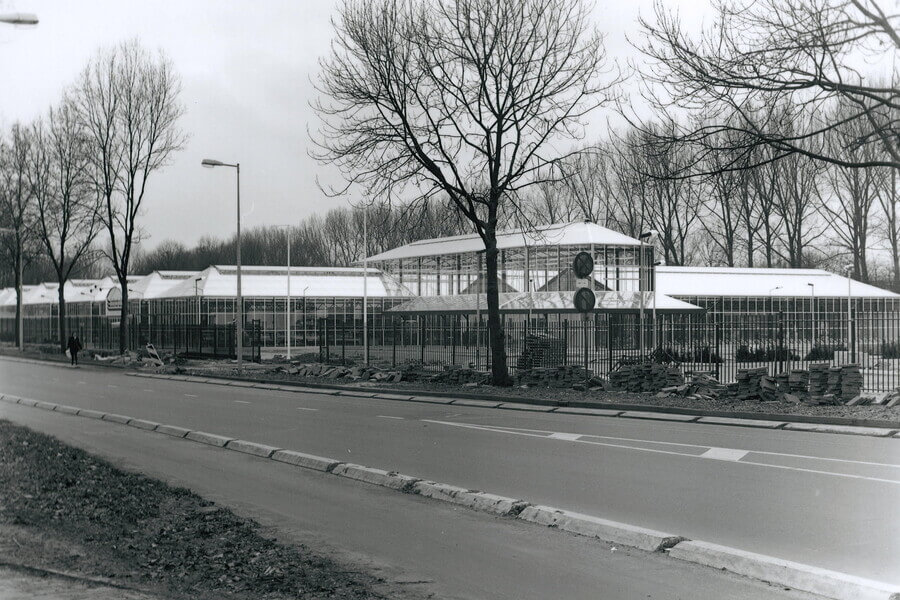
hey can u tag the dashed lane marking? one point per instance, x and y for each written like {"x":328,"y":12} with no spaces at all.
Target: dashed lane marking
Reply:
{"x":724,"y":454}
{"x":390,"y":417}
{"x":241,"y":402}
{"x":190,"y":395}
{"x":679,"y":449}
{"x":304,"y":408}
{"x":110,"y":385}
{"x":150,"y":391}
{"x":572,"y":437}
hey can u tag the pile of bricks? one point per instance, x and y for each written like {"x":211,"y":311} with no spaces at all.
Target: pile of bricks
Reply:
{"x":645,"y":377}
{"x":358,"y":373}
{"x":748,"y":383}
{"x":702,"y":386}
{"x":541,"y":351}
{"x":563,"y":376}
{"x":458,"y":375}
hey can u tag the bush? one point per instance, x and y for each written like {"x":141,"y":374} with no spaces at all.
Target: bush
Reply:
{"x":746,"y":353}
{"x":890,"y":350}
{"x":821,"y":352}
{"x":701,"y":355}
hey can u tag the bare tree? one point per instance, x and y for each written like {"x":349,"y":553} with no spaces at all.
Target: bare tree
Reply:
{"x":16,"y":207}
{"x":128,"y":104}
{"x":463,"y":98}
{"x":66,"y":207}
{"x":803,"y":52}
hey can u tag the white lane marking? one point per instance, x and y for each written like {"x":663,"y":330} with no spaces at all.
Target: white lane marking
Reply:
{"x":151,"y":391}
{"x":626,"y":439}
{"x":304,"y":408}
{"x":724,"y":454}
{"x":190,"y":395}
{"x":242,"y":402}
{"x":109,"y":385}
{"x":389,"y":417}
{"x":572,"y":437}
{"x":82,"y":383}
{"x":670,"y":452}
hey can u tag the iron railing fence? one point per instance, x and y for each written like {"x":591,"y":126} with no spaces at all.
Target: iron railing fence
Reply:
{"x":713,"y":345}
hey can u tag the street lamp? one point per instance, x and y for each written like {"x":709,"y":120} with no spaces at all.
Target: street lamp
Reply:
{"x":19,"y":290}
{"x":304,"y":315}
{"x":849,"y":269}
{"x":650,"y":235}
{"x":288,"y":317}
{"x":197,"y":296}
{"x":239,"y":321}
{"x":812,"y":288}
{"x":19,"y":19}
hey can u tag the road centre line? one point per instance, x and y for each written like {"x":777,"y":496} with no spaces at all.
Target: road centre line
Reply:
{"x":242,"y":402}
{"x":190,"y":395}
{"x":304,"y":408}
{"x":725,"y":454}
{"x":390,"y":417}
{"x":501,"y":429}
{"x":670,"y":452}
{"x":151,"y":391}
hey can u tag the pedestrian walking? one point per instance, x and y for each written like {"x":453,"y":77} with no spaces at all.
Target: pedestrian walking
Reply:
{"x":74,"y":346}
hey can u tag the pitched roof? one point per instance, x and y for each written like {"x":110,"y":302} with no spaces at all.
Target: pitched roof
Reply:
{"x":579,"y":233}
{"x":732,"y":281}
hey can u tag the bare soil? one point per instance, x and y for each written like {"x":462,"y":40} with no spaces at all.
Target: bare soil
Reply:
{"x":62,"y":509}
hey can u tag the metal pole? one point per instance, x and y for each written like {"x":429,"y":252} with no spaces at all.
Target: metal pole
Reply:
{"x":641,"y":298}
{"x":21,"y":295}
{"x":240,"y":299}
{"x":289,"y":294}
{"x":850,"y":349}
{"x":365,"y":286}
{"x":655,"y":326}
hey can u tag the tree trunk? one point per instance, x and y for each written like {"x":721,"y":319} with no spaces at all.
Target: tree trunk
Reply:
{"x":19,"y":307}
{"x":499,"y":373}
{"x":62,"y":316}
{"x":123,"y":320}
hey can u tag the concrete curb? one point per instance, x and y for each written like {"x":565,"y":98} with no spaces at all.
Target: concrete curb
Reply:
{"x":610,"y":531}
{"x":143,"y":424}
{"x":210,"y":439}
{"x":306,"y":461}
{"x":116,"y":418}
{"x":786,"y":573}
{"x":832,"y":584}
{"x":835,"y":425}
{"x":846,"y":429}
{"x":251,"y":448}
{"x":388,"y":479}
{"x":492,"y":503}
{"x":68,"y":410}
{"x":179,"y":432}
{"x":90,"y":414}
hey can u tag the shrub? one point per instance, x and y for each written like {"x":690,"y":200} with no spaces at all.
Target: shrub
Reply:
{"x":890,"y":350}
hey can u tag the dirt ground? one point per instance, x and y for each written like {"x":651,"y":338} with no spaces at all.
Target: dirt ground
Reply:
{"x":61,"y":509}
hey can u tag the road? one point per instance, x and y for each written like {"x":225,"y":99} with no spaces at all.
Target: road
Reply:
{"x":820,"y":499}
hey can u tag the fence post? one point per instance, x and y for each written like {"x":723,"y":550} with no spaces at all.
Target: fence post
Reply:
{"x":717,"y":336}
{"x":609,"y":342}
{"x":344,"y":340}
{"x":422,"y":339}
{"x":566,"y":342}
{"x":584,"y":334}
{"x":453,"y":330}
{"x":394,"y":342}
{"x":781,"y":350}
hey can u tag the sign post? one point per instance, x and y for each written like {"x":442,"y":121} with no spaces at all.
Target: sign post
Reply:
{"x":584,"y":299}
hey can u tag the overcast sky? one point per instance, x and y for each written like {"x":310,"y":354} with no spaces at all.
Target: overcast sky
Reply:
{"x":247,"y":70}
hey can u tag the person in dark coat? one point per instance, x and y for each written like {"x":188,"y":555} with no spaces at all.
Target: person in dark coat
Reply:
{"x":74,"y":346}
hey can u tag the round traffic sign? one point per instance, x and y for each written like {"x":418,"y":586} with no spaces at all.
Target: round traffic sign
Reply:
{"x":585,"y":300}
{"x":583,"y":265}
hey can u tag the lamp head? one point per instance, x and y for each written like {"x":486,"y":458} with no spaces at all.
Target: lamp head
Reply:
{"x":210,"y":163}
{"x":649,"y":234}
{"x":19,"y":19}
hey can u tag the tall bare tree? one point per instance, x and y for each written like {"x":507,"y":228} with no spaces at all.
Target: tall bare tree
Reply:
{"x":16,"y":207}
{"x":804,"y":52}
{"x":463,"y":98}
{"x":128,"y":104}
{"x":66,"y":206}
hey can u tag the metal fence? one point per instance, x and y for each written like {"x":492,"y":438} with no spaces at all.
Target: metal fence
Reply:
{"x":707,"y":344}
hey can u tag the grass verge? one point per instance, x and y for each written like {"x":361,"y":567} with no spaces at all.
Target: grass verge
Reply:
{"x":67,"y":510}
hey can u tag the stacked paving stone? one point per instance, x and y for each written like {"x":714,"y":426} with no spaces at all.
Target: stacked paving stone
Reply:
{"x":851,"y":382}
{"x":818,"y":379}
{"x":541,"y":351}
{"x":748,"y":383}
{"x":461,"y":376}
{"x":562,"y":376}
{"x":646,"y":377}
{"x":833,"y":386}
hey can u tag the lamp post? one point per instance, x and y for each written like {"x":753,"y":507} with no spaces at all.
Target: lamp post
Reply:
{"x":304,"y":315}
{"x":197,"y":296}
{"x":812,"y":288}
{"x":366,"y":286}
{"x":850,"y":349}
{"x":287,"y":228}
{"x":239,"y":320}
{"x":20,"y":323}
{"x":650,"y":235}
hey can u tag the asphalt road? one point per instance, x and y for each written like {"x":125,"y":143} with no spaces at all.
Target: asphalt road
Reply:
{"x":820,"y":499}
{"x":419,"y":547}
